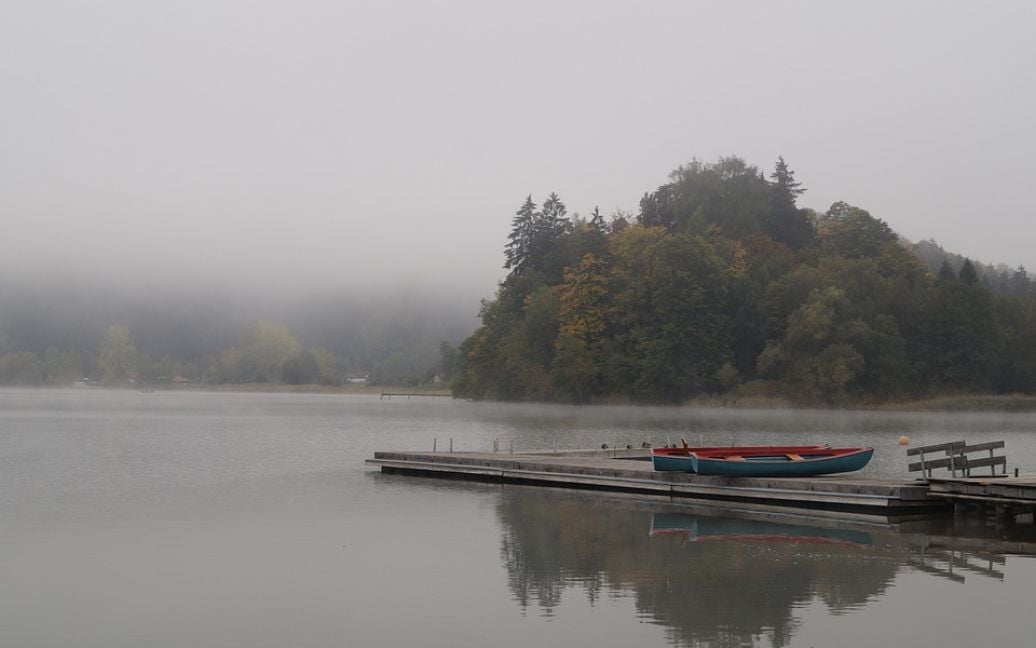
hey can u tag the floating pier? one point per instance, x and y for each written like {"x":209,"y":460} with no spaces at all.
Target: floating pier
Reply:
{"x":1006,"y":496}
{"x":631,"y":471}
{"x":410,"y":395}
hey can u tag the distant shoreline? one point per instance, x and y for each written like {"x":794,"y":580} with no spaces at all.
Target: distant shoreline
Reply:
{"x":1015,"y":403}
{"x":944,"y":403}
{"x":279,"y":388}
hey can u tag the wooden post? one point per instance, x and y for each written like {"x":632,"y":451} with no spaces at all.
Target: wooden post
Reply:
{"x":512,"y":446}
{"x":960,"y":509}
{"x":434,"y":441}
{"x":451,"y":444}
{"x":1001,"y":514}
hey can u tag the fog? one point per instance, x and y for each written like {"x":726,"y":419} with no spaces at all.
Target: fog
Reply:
{"x":362,"y":146}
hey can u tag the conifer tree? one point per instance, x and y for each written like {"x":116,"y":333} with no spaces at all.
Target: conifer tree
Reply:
{"x":786,"y":222}
{"x":946,"y":272}
{"x":968,"y":274}
{"x":522,"y":237}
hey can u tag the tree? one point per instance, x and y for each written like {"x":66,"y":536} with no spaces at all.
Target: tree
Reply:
{"x":265,"y":347}
{"x":786,"y":223}
{"x":553,"y":221}
{"x":786,"y":188}
{"x":672,"y":334}
{"x":959,"y":336}
{"x":326,"y":366}
{"x":584,"y":315}
{"x":534,"y":235}
{"x":728,"y":194}
{"x":20,"y":368}
{"x":968,"y":274}
{"x":1019,"y":283}
{"x":117,"y":357}
{"x":60,"y":367}
{"x":852,"y":232}
{"x":522,"y":237}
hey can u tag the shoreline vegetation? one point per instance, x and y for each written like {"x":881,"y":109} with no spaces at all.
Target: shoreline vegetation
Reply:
{"x":1019,"y":403}
{"x":722,"y":290}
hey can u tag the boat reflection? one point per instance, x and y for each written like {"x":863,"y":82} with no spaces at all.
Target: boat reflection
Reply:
{"x":718,"y":577}
{"x":696,"y":528}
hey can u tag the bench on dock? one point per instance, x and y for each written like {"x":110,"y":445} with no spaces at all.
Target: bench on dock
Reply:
{"x":954,"y":456}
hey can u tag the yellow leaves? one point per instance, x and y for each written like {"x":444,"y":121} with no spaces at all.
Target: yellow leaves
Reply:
{"x":584,"y":300}
{"x":739,"y":261}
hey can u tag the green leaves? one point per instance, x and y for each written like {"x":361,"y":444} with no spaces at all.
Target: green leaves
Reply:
{"x":725,"y":285}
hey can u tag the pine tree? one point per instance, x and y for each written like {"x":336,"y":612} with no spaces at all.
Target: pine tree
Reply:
{"x":522,"y":237}
{"x":968,"y":274}
{"x":786,"y":189}
{"x":554,"y":221}
{"x":1019,"y":282}
{"x":786,"y":222}
{"x":946,"y":272}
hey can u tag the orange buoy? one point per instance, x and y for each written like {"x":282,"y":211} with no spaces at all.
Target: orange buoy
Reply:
{"x":904,"y":440}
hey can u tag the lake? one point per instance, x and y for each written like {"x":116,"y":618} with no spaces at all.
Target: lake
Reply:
{"x":214,"y":519}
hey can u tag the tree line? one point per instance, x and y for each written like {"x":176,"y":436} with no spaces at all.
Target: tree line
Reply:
{"x":722,"y":284}
{"x":57,"y":335}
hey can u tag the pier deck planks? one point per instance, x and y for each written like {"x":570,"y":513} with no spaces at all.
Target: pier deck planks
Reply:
{"x":995,"y":490}
{"x":613,"y":470}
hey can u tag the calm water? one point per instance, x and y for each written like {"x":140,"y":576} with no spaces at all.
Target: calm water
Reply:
{"x":194,"y":519}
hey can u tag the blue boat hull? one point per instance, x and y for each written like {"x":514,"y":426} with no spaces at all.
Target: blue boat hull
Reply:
{"x":782,"y":466}
{"x":679,"y":460}
{"x":670,"y":463}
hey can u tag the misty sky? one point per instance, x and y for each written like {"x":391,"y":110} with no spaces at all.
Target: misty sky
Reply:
{"x":360,"y":143}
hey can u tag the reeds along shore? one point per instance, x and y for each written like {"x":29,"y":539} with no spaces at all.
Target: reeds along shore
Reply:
{"x":944,"y":403}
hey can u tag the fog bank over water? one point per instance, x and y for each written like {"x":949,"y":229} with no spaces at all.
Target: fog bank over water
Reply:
{"x":369,"y":145}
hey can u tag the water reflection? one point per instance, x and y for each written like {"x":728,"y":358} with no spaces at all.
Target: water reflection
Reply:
{"x":698,"y":528}
{"x":715,"y":579}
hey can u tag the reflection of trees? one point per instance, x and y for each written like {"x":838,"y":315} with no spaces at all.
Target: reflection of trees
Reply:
{"x":718,"y":593}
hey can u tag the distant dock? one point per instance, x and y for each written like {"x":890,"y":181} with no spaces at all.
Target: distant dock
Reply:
{"x":631,"y":471}
{"x":389,"y":395}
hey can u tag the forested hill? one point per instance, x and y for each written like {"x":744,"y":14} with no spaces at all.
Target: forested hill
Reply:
{"x":721,"y":284}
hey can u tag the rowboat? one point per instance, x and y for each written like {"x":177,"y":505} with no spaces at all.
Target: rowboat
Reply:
{"x":769,"y":463}
{"x":679,"y":459}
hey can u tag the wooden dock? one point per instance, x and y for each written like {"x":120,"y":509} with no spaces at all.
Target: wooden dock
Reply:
{"x":1004,"y":490}
{"x":631,"y":471}
{"x":409,"y":395}
{"x":1007,"y":496}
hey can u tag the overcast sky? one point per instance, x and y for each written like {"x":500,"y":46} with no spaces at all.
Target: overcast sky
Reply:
{"x":367,"y":142}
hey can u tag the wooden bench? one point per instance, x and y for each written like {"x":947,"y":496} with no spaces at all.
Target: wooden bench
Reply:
{"x":954,"y":456}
